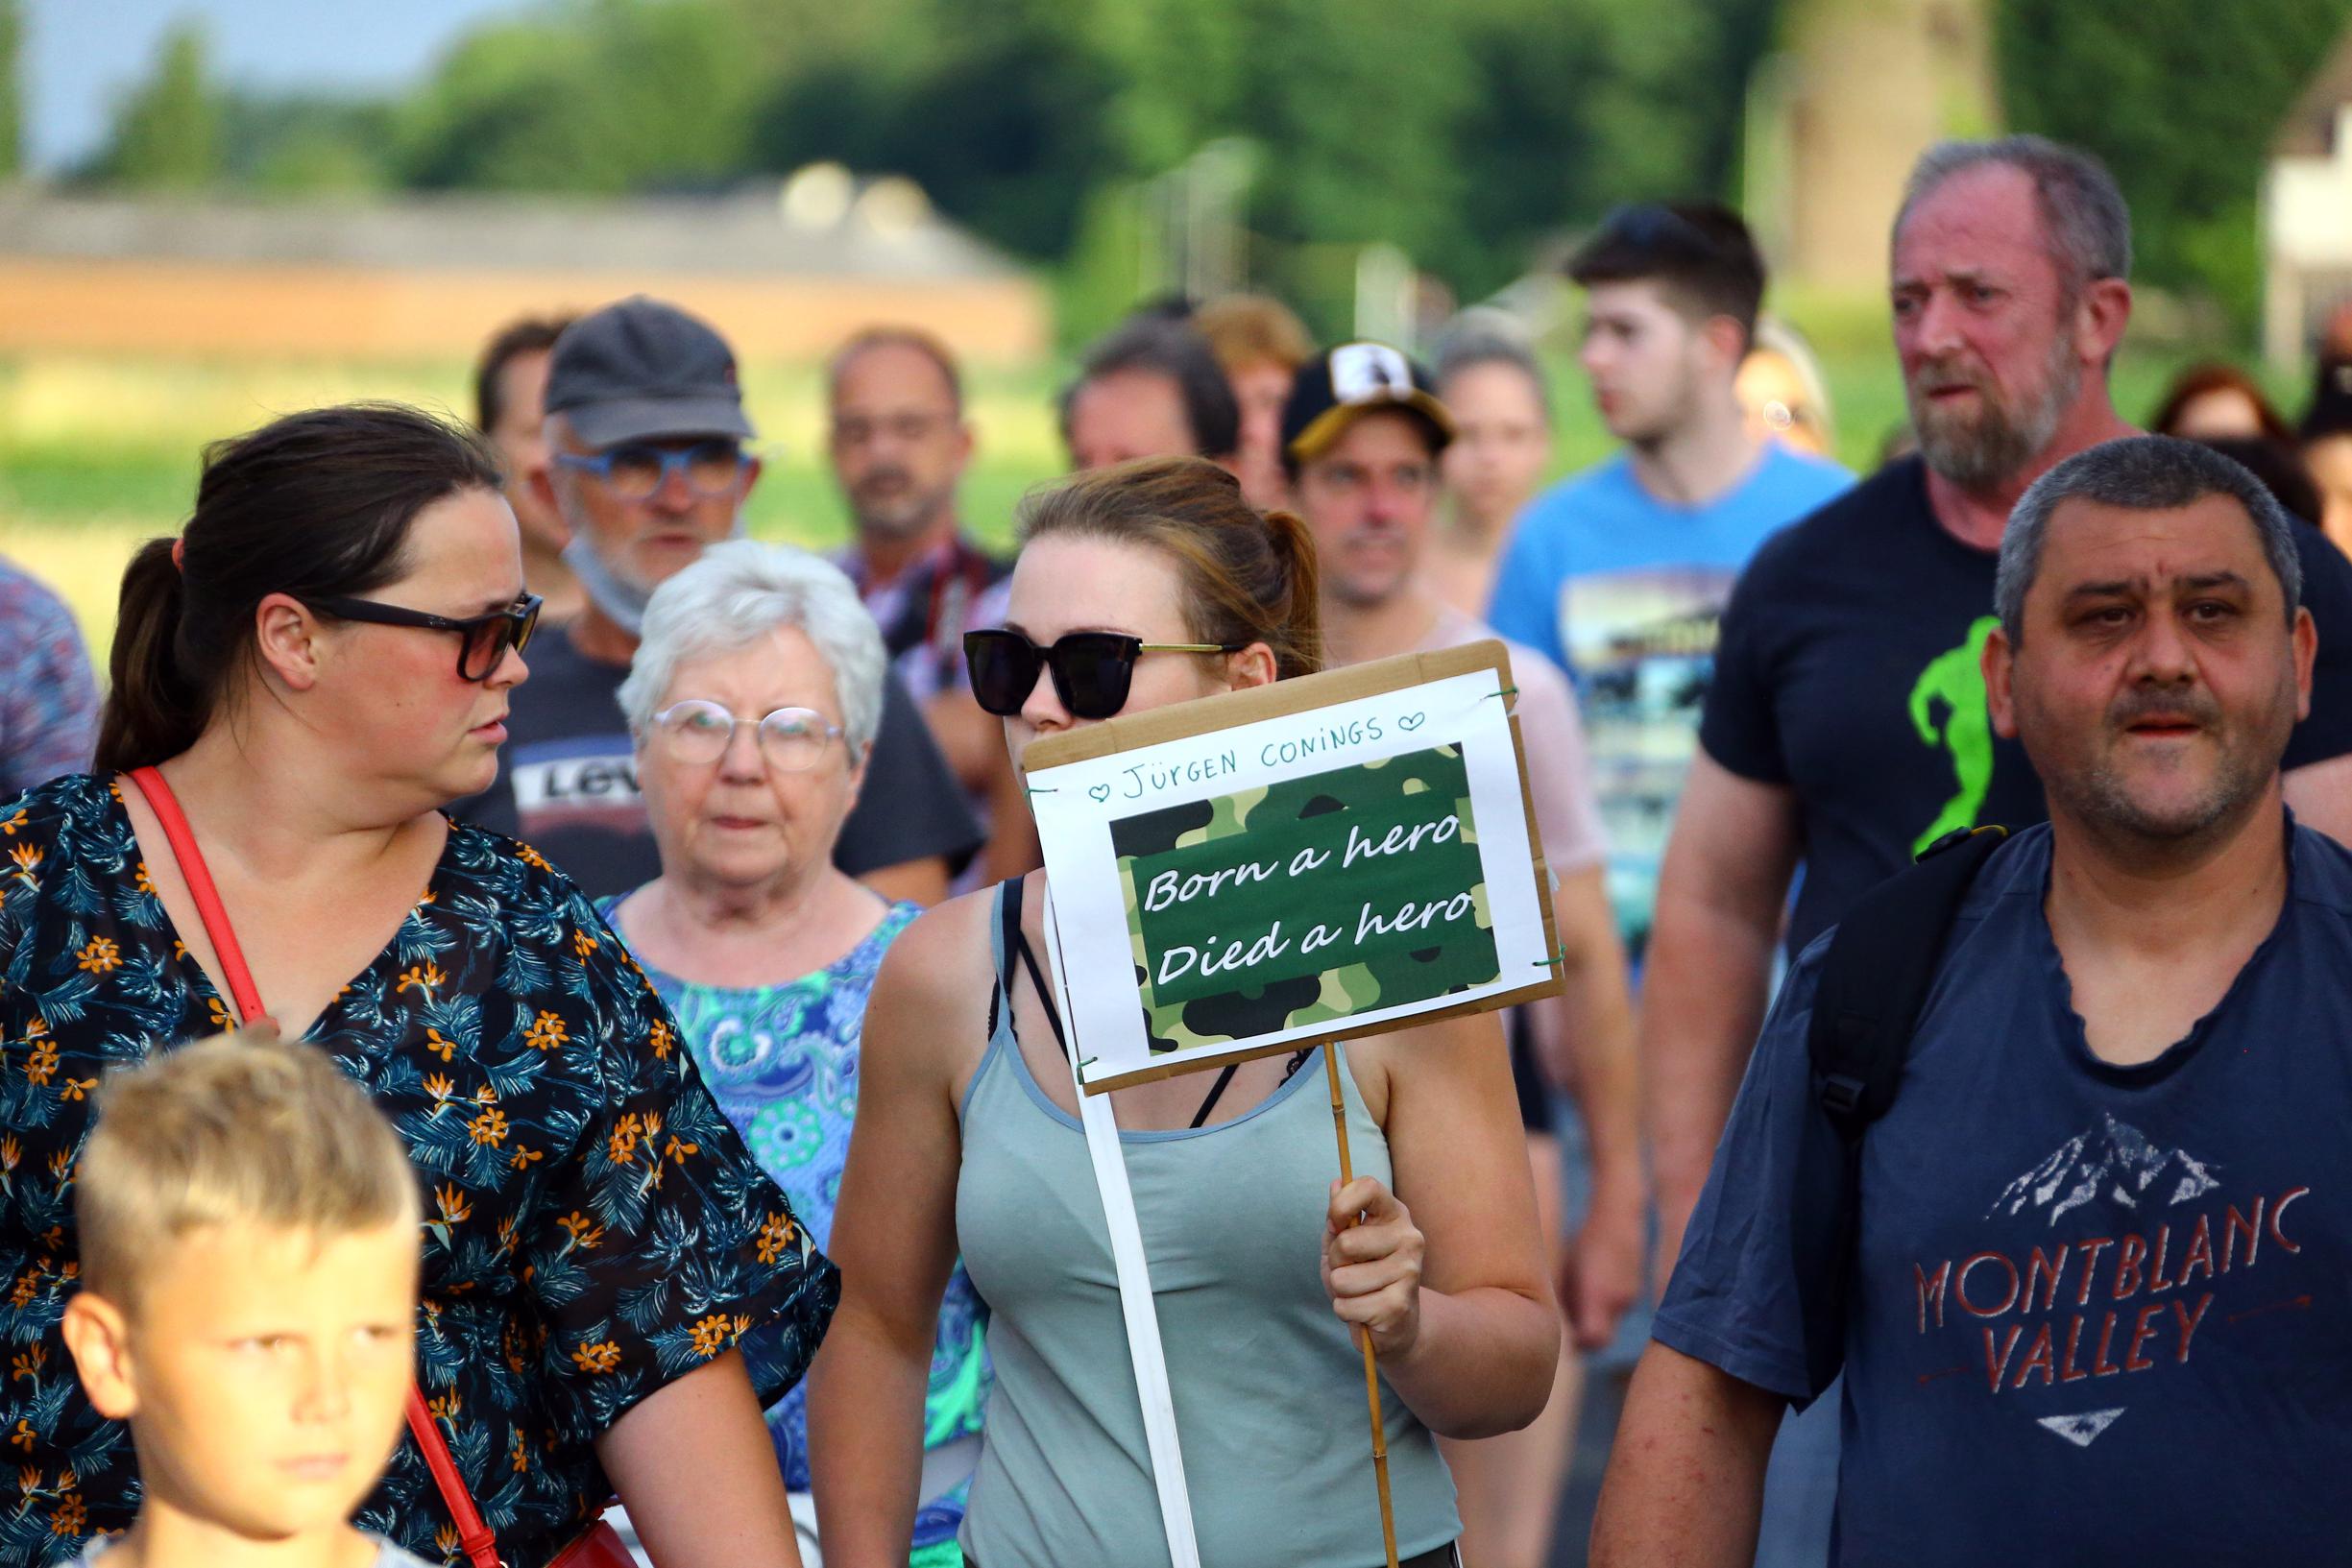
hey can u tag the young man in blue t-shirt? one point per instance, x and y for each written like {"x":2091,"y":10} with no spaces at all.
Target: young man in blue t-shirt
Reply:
{"x":1620,"y":573}
{"x":2087,"y":1278}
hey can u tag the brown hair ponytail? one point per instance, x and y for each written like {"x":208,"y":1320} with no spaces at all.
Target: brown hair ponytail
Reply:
{"x":316,"y":504}
{"x":1248,"y":576}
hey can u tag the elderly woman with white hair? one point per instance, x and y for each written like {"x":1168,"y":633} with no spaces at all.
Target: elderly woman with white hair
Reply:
{"x":753,"y":700}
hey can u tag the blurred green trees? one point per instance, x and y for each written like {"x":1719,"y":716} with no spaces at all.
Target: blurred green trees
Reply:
{"x":2182,"y":99}
{"x":1466,"y":133}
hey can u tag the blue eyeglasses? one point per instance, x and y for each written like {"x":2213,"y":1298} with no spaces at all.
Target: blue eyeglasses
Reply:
{"x":636,"y":470}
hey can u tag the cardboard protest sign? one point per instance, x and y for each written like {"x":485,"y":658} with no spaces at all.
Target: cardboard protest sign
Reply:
{"x":1310,"y":861}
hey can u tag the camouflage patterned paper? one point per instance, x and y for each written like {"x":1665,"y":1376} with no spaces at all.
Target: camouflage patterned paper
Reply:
{"x":1318,"y":860}
{"x":1307,"y":900}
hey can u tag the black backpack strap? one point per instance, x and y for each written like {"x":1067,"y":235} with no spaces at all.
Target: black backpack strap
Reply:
{"x":1877,"y":974}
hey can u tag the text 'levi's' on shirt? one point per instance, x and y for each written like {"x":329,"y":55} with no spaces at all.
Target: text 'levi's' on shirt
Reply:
{"x":2098,"y":1313}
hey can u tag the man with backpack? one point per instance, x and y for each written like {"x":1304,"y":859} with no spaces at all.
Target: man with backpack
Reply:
{"x":2062,"y":1201}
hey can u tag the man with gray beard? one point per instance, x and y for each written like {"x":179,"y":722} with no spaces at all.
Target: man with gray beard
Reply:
{"x":1847,"y":724}
{"x":2083,"y":1276}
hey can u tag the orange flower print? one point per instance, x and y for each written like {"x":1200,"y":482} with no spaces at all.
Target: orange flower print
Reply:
{"x":42,"y":1063}
{"x":678,"y":1151}
{"x":28,"y":1480}
{"x":547,"y":1033}
{"x":101,"y":956}
{"x":446,"y":1538}
{"x":582,"y":943}
{"x":488,"y":1128}
{"x":521,"y":1457}
{"x":523,"y":1157}
{"x":425,"y":976}
{"x":37,"y":1029}
{"x":28,"y":1367}
{"x":711,"y":1336}
{"x":71,"y":1518}
{"x":531,"y":857}
{"x":454,"y":1209}
{"x":28,"y":859}
{"x":77,"y":1088}
{"x":439,"y":1087}
{"x":24,"y":1437}
{"x":774,"y":1236}
{"x":585,"y":1232}
{"x":61,"y":1170}
{"x":663,"y":1040}
{"x":597,"y":1358}
{"x":446,"y":1408}
{"x":444,"y":1048}
{"x":622,"y":1145}
{"x":9,"y":827}
{"x":141,"y":880}
{"x":219,"y":1013}
{"x":10,"y":1151}
{"x":26,"y":1284}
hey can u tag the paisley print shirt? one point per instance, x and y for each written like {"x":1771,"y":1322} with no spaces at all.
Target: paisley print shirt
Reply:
{"x":783,"y":1062}
{"x":594,"y":1226}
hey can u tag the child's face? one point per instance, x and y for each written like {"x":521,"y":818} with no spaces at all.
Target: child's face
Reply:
{"x":262,"y":1372}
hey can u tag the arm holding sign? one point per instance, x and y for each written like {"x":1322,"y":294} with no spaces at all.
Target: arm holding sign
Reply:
{"x":1447,"y":1272}
{"x":894,"y":1237}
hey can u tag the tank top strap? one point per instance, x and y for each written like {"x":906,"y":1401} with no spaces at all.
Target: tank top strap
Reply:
{"x":1003,"y":931}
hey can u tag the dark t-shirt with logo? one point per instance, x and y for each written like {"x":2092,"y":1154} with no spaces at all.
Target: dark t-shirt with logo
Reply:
{"x":2097,"y":1313}
{"x":1846,"y":670}
{"x":567,"y":783}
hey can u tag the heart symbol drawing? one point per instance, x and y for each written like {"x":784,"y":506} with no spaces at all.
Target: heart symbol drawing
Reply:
{"x":1412,"y":722}
{"x":1100,"y":792}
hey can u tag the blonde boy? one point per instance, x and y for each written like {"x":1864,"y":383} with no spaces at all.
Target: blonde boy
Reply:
{"x":249,"y":1265}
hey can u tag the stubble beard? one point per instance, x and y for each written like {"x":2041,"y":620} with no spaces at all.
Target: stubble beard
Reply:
{"x":2102,"y":799}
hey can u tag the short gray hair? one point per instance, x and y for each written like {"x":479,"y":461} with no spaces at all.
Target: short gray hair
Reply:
{"x":740,"y":592}
{"x":2142,"y":473}
{"x":2083,"y":215}
{"x":1472,"y":342}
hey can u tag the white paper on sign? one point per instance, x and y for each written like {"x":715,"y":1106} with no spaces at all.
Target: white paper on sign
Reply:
{"x":1136,"y":1304}
{"x":1084,"y":809}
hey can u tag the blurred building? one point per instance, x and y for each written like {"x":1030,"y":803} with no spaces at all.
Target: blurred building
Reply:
{"x":2307,"y":212}
{"x":786,"y":273}
{"x":1837,"y":119}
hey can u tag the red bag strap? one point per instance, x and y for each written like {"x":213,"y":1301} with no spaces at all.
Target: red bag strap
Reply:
{"x":199,"y":877}
{"x":481,"y":1548}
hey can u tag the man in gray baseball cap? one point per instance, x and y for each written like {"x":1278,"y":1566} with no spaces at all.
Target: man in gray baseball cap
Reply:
{"x":648,"y":465}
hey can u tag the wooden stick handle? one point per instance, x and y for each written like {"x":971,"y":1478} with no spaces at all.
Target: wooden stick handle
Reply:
{"x":1371,"y":1362}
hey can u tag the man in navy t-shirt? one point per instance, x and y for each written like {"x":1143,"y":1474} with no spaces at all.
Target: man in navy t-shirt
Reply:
{"x":2098,"y":1302}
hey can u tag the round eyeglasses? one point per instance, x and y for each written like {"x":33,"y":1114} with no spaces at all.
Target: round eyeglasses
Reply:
{"x":698,"y":730}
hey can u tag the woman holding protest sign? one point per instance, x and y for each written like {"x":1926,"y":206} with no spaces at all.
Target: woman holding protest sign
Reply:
{"x":1141,"y":586}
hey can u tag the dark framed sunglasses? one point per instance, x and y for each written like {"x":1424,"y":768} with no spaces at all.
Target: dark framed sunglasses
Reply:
{"x":482,"y":640}
{"x":1092,"y":671}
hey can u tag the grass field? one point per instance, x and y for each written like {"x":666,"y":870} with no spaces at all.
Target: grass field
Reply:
{"x":97,"y":454}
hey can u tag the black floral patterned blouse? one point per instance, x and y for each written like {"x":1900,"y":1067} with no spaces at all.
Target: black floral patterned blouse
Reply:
{"x":594,"y":1228}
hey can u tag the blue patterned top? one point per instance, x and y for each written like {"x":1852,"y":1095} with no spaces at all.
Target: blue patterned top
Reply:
{"x":48,"y":699}
{"x":594,"y":1227}
{"x":783,"y":1060}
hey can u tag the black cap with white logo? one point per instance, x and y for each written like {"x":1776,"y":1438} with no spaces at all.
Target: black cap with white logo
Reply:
{"x":1342,"y":385}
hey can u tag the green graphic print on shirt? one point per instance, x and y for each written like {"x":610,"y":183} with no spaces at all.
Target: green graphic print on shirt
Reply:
{"x":1955,"y":681}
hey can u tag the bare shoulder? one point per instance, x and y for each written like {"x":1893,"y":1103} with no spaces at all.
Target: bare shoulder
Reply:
{"x":931,"y":997}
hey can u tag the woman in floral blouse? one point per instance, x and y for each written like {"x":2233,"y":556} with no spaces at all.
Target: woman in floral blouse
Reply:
{"x":320,"y":662}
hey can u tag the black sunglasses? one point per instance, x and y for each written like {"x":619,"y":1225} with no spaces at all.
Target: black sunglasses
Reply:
{"x":1092,"y":671}
{"x":483,"y":640}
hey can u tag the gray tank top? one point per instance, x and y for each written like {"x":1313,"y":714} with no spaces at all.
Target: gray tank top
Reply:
{"x":1269,"y":1388}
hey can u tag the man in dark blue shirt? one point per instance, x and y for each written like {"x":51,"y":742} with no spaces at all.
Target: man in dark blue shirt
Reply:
{"x":2096,"y":1300}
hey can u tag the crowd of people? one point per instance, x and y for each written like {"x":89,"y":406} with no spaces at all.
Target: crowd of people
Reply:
{"x":648,"y":1133}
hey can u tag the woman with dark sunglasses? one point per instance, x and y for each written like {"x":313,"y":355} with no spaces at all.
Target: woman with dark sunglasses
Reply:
{"x":300,"y":680}
{"x":1136,"y":587}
